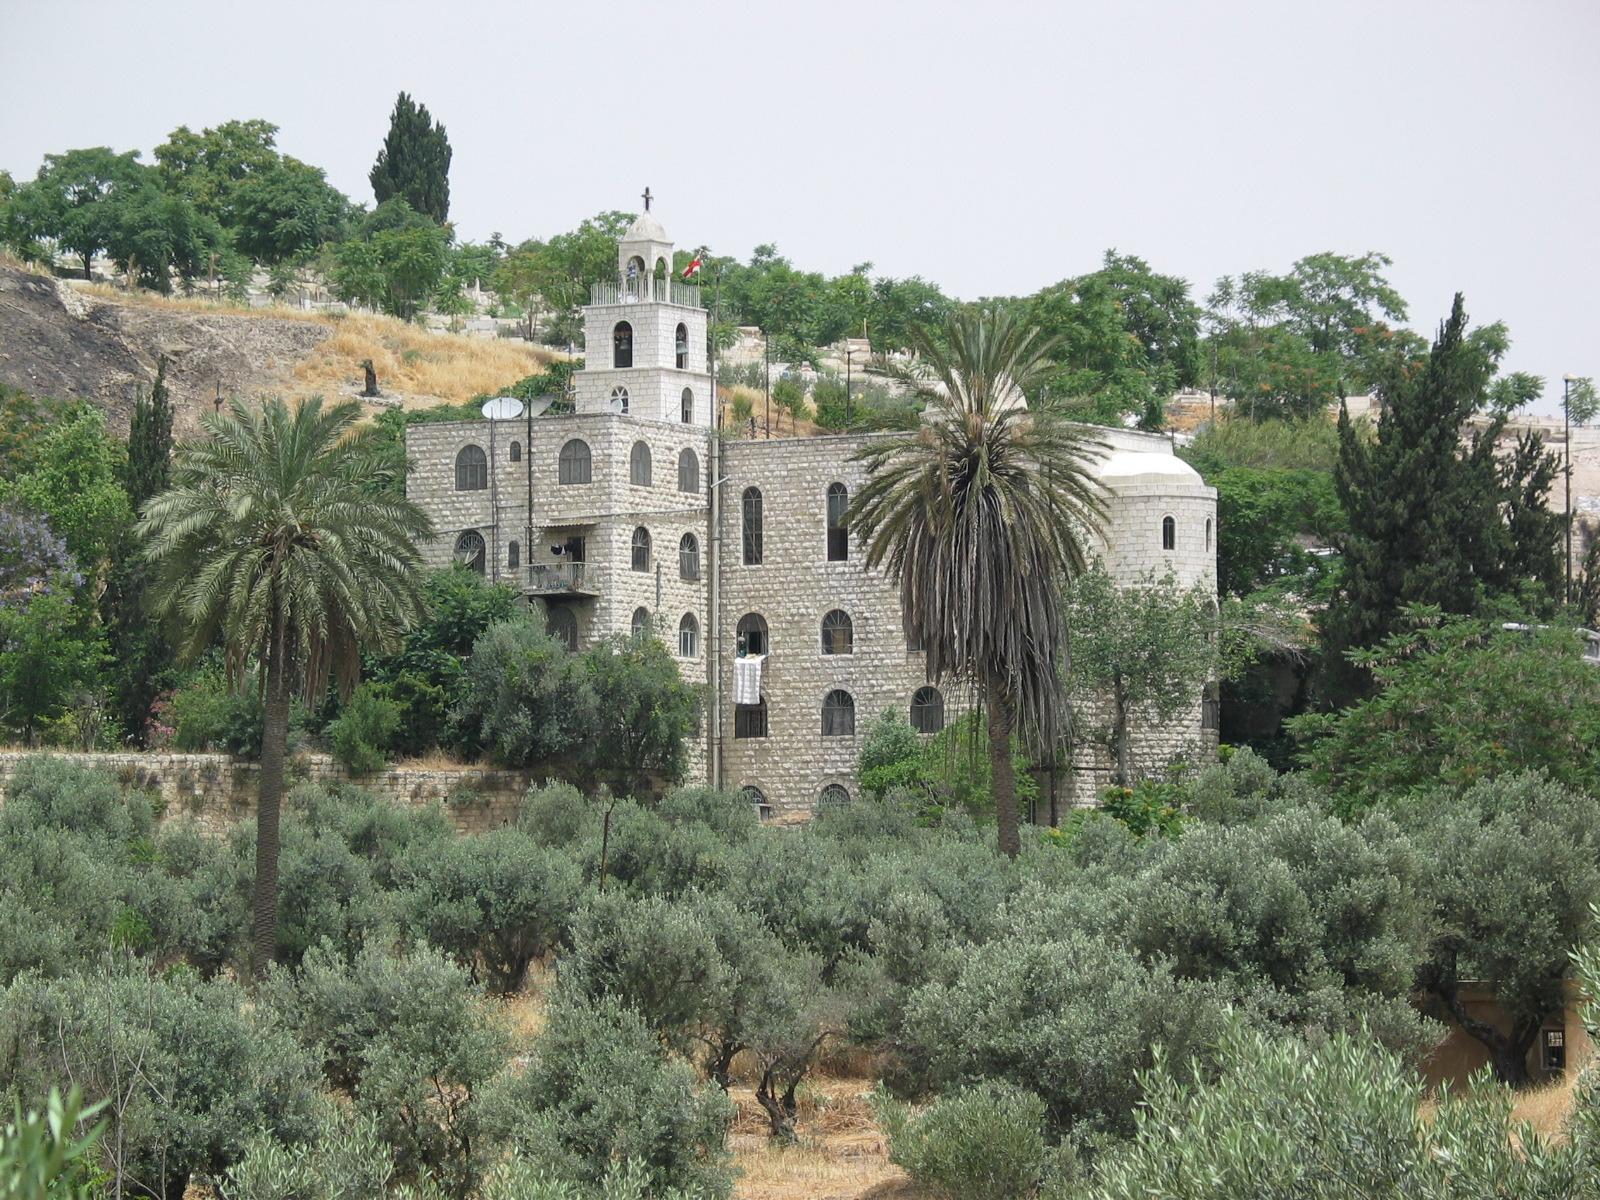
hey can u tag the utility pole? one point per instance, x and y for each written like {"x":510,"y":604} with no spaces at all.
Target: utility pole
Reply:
{"x":766,"y":371}
{"x":1566,"y":454}
{"x":848,"y":350}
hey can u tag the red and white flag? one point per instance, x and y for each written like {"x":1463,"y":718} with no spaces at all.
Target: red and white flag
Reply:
{"x":694,"y":266}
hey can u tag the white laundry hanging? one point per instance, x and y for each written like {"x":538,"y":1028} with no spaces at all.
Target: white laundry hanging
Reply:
{"x":747,"y":679}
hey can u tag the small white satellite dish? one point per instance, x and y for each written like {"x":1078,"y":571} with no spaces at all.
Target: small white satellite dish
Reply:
{"x":539,"y":407}
{"x":616,"y":405}
{"x":502,"y":408}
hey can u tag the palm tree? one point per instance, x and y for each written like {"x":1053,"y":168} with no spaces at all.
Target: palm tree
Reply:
{"x":980,"y":514}
{"x":278,"y":537}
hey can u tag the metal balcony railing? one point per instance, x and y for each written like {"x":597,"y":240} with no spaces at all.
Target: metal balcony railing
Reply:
{"x":548,"y":578}
{"x":632,"y":291}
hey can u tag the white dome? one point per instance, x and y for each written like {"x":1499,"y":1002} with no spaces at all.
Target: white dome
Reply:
{"x":646,"y":229}
{"x":1145,"y":466}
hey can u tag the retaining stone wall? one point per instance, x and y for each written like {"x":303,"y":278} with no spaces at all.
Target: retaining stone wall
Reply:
{"x":218,"y":790}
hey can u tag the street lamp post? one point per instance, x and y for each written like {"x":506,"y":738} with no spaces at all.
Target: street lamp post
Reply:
{"x":849,"y":350}
{"x":1566,"y":453}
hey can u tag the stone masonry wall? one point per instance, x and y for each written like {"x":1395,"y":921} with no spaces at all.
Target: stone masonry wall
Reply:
{"x":218,"y":791}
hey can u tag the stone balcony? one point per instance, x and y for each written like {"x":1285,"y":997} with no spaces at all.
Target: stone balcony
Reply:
{"x":636,"y":290}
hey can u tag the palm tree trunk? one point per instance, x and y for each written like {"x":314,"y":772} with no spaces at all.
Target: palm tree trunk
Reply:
{"x":274,"y":750}
{"x":1001,"y":771}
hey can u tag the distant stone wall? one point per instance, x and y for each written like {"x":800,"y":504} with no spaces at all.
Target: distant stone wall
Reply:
{"x":218,"y":790}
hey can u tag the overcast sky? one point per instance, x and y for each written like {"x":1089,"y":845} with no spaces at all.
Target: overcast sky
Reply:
{"x":992,"y":147}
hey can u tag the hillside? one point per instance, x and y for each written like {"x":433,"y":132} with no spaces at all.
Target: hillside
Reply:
{"x":69,"y":339}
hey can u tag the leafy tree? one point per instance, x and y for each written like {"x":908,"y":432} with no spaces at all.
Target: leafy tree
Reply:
{"x":1513,"y":868}
{"x":977,"y":516}
{"x":1148,"y":649}
{"x":985,"y":1142}
{"x":1291,"y":344}
{"x":497,"y":899}
{"x":1456,"y":702}
{"x":365,"y":729}
{"x":1326,"y":1120}
{"x":394,"y":263}
{"x":524,"y":698}
{"x":285,"y":214}
{"x":156,"y":234}
{"x":790,"y":397}
{"x":1127,"y":338}
{"x":1425,"y":509}
{"x":50,"y":650}
{"x":414,"y":163}
{"x":644,"y":714}
{"x":71,"y":474}
{"x":271,"y":539}
{"x":1530,"y":558}
{"x":73,"y":202}
{"x":557,"y":273}
{"x":1261,"y":516}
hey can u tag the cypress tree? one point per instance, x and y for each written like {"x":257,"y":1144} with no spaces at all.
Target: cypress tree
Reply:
{"x":414,"y":163}
{"x":143,"y":657}
{"x":1435,"y":517}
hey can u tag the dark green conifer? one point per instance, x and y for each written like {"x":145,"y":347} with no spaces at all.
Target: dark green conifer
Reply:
{"x":414,"y":163}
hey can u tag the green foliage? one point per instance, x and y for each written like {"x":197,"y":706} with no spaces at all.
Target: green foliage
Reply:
{"x":71,"y":473}
{"x":414,"y":1044}
{"x":50,"y":651}
{"x":1459,"y":701}
{"x":394,"y":263}
{"x":1149,"y":806}
{"x":1290,"y":444}
{"x":523,"y":699}
{"x":980,"y":1143}
{"x":365,"y":729}
{"x":643,"y":716}
{"x":1148,"y":649}
{"x":1424,"y":507}
{"x":414,"y":163}
{"x":1514,"y":866}
{"x":207,"y":714}
{"x":190,"y":1068}
{"x":73,"y":202}
{"x":1326,"y":1121}
{"x":891,"y":755}
{"x":346,"y":1160}
{"x":1261,"y":517}
{"x":600,"y":1089}
{"x":43,"y":1156}
{"x":496,"y":903}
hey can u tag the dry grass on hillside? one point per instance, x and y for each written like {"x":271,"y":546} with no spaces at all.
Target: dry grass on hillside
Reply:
{"x":840,"y":1153}
{"x":423,"y":368}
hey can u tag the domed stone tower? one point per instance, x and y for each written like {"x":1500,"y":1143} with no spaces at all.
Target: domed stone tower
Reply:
{"x":645,"y":336}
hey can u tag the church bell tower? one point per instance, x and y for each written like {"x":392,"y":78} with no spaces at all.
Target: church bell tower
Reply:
{"x":645,"y":336}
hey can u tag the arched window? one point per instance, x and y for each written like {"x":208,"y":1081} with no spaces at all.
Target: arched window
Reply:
{"x":688,"y":470}
{"x":639,"y":465}
{"x":641,"y":622}
{"x":515,"y":452}
{"x":927,"y":710}
{"x":470,"y":551}
{"x":838,"y":532}
{"x":688,"y":636}
{"x":573,"y":463}
{"x":753,"y":797}
{"x":686,"y":406}
{"x":622,"y":345}
{"x":752,"y":526}
{"x":619,"y":399}
{"x":1208,"y":534}
{"x":562,"y":623}
{"x":751,"y":636}
{"x":513,"y":555}
{"x":750,"y":720}
{"x":472,"y":469}
{"x":689,"y":557}
{"x":838,"y":636}
{"x":635,"y":273}
{"x":1169,"y":534}
{"x":838,"y":714}
{"x":835,"y":795}
{"x":641,"y":549}
{"x":680,"y":348}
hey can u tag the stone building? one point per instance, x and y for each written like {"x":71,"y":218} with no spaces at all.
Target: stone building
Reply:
{"x":634,"y":514}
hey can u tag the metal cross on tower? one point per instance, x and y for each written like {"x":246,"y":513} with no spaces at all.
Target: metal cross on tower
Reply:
{"x":647,"y":197}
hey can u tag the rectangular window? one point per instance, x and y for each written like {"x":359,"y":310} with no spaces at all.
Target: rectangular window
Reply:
{"x":750,"y":720}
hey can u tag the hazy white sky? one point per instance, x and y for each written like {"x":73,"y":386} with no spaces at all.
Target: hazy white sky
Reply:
{"x":992,"y":147}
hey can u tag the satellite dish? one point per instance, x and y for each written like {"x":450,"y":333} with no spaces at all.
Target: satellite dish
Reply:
{"x":616,"y":405}
{"x":537,"y":408}
{"x":502,"y":408}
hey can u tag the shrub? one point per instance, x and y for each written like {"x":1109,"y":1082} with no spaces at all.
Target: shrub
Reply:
{"x":42,"y":1156}
{"x":207,"y":714}
{"x":193,"y":1068}
{"x":556,"y":814}
{"x":643,"y":714}
{"x":364,"y":732}
{"x":346,"y":1159}
{"x":1149,"y":806}
{"x":413,"y":1042}
{"x":51,"y":793}
{"x":980,"y":1143}
{"x":601,"y":1090}
{"x":524,"y":698}
{"x":499,"y":900}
